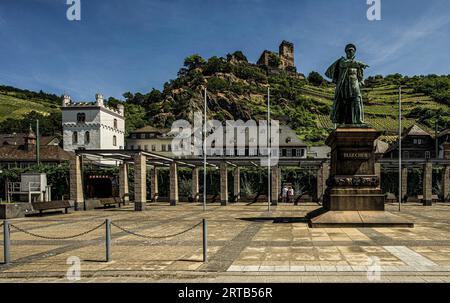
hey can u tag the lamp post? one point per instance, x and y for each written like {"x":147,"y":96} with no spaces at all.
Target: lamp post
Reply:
{"x":269,"y":151}
{"x":400,"y":148}
{"x":204,"y":153}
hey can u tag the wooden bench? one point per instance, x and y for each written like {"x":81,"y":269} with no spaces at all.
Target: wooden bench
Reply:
{"x":51,"y":205}
{"x":107,"y":202}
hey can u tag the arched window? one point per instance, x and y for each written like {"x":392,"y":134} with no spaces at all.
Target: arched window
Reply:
{"x":74,"y":138}
{"x":115,"y":123}
{"x":114,"y":141}
{"x":87,"y":138}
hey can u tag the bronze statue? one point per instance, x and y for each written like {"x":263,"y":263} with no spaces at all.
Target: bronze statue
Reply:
{"x":348,"y":75}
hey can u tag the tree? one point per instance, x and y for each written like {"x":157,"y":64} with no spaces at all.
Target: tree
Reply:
{"x":274,"y":60}
{"x":194,"y":61}
{"x":237,"y":55}
{"x":315,"y":78}
{"x":216,"y":65}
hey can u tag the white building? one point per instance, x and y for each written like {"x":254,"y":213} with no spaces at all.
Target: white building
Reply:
{"x":92,"y":125}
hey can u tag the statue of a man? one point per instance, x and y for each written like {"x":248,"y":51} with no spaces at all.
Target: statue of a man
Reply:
{"x":348,"y":75}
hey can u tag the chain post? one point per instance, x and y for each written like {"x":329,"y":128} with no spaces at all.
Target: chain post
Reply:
{"x":108,"y":240}
{"x":6,"y":242}
{"x":205,"y":243}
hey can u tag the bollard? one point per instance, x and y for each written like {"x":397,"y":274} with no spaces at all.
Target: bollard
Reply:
{"x":205,"y":244}
{"x":108,"y":240}
{"x":6,"y":242}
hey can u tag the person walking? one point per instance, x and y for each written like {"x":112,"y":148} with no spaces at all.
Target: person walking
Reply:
{"x":284,"y":194}
{"x":291,"y":194}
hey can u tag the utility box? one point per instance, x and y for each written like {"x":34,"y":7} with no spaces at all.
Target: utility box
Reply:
{"x":34,"y":182}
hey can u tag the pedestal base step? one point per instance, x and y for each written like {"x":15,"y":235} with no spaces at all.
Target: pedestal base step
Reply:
{"x":338,"y":219}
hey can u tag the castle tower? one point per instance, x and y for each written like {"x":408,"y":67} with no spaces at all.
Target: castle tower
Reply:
{"x":286,"y":53}
{"x":93,"y":125}
{"x":30,"y":140}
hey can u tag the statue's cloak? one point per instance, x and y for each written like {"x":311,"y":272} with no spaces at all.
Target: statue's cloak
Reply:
{"x":333,"y":71}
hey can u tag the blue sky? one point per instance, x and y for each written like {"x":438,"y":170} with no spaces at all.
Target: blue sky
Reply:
{"x":136,"y":45}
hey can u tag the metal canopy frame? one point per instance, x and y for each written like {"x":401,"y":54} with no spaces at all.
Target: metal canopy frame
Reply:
{"x":234,"y":161}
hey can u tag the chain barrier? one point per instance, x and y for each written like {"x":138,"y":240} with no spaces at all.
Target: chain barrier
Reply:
{"x":56,"y":238}
{"x":155,"y":237}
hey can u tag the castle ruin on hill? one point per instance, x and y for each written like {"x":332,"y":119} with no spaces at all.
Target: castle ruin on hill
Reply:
{"x":281,"y":61}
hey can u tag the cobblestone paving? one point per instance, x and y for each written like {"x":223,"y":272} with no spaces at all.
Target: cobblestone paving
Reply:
{"x":245,"y":244}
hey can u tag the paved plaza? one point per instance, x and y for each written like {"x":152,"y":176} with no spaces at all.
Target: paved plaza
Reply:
{"x":246,"y":243}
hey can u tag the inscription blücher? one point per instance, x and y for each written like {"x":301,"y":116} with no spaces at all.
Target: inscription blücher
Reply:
{"x":355,"y":155}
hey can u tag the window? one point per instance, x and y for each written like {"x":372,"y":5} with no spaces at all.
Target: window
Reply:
{"x":74,"y":138}
{"x":114,"y":141}
{"x":163,"y":147}
{"x":81,"y":117}
{"x":169,"y":147}
{"x":153,"y":147}
{"x":142,"y":136}
{"x":115,"y":123}
{"x":406,"y":154}
{"x":146,"y":147}
{"x":87,"y":138}
{"x":427,"y":155}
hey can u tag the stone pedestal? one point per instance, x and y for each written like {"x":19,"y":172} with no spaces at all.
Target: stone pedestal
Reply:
{"x":353,"y":196}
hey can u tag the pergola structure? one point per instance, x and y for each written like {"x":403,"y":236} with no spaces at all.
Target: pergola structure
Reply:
{"x":427,"y":166}
{"x":141,"y":159}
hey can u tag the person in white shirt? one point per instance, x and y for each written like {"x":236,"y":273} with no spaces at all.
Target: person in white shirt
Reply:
{"x":284,"y":194}
{"x":291,"y":194}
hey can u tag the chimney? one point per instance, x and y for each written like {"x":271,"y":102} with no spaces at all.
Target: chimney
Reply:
{"x":121,"y":109}
{"x":66,"y":101}
{"x":99,"y":100}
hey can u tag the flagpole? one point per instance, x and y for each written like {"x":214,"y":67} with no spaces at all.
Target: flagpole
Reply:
{"x":400,"y":148}
{"x":268,"y":151}
{"x":204,"y":154}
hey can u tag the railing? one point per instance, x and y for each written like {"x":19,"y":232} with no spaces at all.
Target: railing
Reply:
{"x":108,"y":223}
{"x":17,"y":187}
